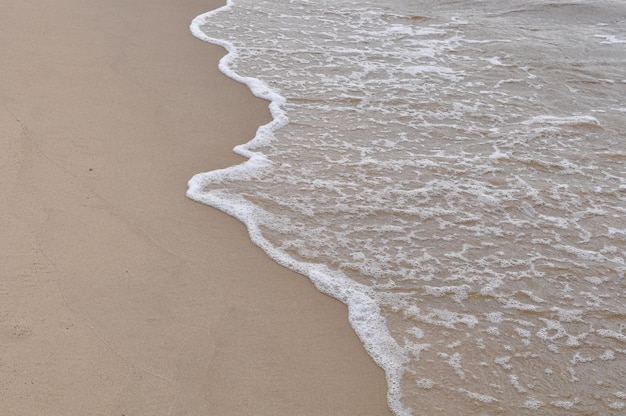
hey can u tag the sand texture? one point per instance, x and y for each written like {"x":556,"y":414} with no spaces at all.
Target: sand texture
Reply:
{"x":118,"y":295}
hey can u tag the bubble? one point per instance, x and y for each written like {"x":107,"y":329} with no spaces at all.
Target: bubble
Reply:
{"x":533,"y":404}
{"x":562,"y":404}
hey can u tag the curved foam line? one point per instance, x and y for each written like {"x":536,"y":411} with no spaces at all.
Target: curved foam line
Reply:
{"x":363,"y":310}
{"x":256,"y":86}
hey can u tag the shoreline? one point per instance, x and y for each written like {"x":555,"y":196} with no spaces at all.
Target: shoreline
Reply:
{"x":121,"y":295}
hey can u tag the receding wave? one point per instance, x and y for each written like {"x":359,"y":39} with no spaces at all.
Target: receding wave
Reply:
{"x":453,"y":172}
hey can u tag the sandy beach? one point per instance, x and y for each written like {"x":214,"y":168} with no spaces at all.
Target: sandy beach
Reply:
{"x":119,"y":295}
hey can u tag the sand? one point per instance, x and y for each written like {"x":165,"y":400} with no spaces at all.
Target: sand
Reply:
{"x":120,"y":296}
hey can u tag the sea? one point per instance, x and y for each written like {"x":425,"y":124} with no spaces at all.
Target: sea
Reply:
{"x":454,"y":172}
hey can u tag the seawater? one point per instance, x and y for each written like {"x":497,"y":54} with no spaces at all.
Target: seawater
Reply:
{"x":453,"y":171}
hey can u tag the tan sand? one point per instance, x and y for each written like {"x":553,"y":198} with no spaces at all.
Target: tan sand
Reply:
{"x":118,"y":295}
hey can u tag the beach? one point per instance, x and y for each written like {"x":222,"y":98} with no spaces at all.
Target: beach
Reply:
{"x":119,"y":295}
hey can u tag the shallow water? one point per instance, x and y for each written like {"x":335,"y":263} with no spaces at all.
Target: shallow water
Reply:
{"x":456,"y":173}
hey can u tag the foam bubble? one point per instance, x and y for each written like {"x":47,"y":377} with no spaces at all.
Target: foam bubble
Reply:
{"x":493,"y":330}
{"x":568,"y":315}
{"x":564,"y":121}
{"x":504,"y":362}
{"x":533,"y":404}
{"x":563,"y":404}
{"x":611,"y":334}
{"x":484,"y":398}
{"x":620,"y":394}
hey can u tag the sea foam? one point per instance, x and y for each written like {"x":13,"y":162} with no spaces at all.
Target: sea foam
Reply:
{"x":455,"y":178}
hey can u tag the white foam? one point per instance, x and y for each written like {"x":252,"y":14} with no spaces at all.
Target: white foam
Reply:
{"x":610,"y":39}
{"x":483,"y":398}
{"x":514,"y":380}
{"x":495,"y":317}
{"x":564,"y":121}
{"x":493,"y":330}
{"x":504,"y":362}
{"x":563,"y":404}
{"x":363,"y":310}
{"x":611,"y":334}
{"x":533,"y":404}
{"x":568,"y":315}
{"x":620,"y":395}
{"x":552,"y":331}
{"x":407,"y":151}
{"x":459,"y":292}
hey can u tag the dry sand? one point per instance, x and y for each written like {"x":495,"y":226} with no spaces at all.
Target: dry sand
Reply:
{"x":118,"y":295}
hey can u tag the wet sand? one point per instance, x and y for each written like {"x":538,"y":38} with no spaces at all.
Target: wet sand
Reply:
{"x":119,"y":295}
